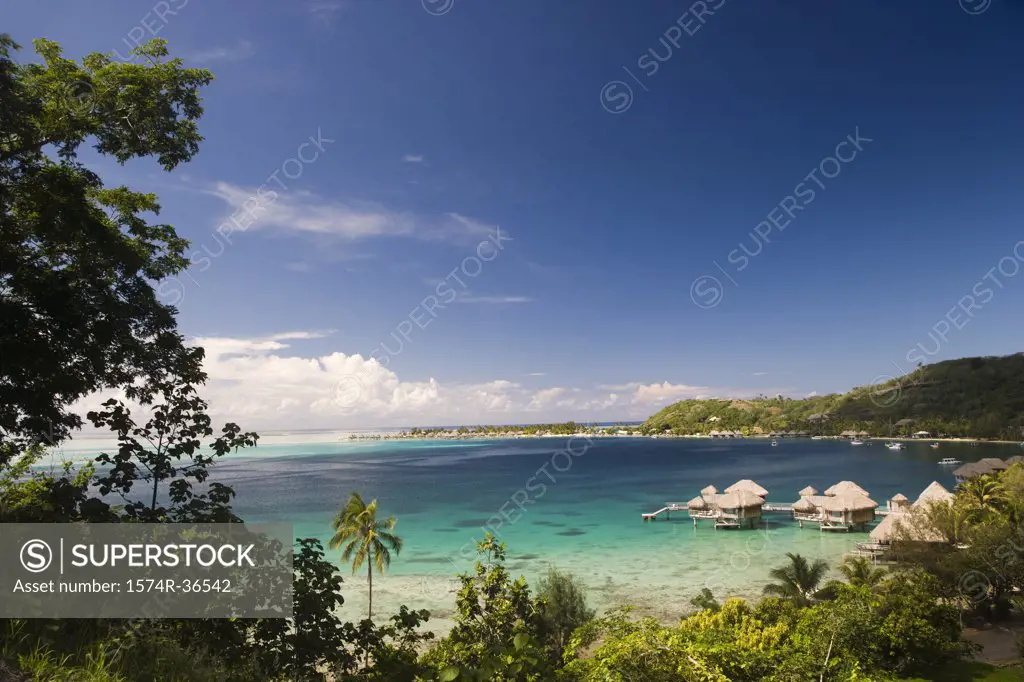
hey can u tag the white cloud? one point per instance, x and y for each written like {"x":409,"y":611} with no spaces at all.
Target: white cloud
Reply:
{"x":302,"y":335}
{"x":299,"y":266}
{"x":537,"y":374}
{"x":324,"y":10}
{"x":760,"y":374}
{"x":413,"y":158}
{"x":243,"y":49}
{"x":812,"y":394}
{"x":493,"y":299}
{"x":545,"y":398}
{"x":653,"y":394}
{"x":300,"y":211}
{"x":264,"y":383}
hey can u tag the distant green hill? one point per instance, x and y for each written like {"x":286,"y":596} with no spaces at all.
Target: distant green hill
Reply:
{"x":973,"y":397}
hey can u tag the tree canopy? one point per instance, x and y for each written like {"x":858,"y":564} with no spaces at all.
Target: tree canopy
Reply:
{"x":972,"y":397}
{"x":77,"y":258}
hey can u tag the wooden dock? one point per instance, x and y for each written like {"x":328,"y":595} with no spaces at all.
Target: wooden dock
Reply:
{"x":666,"y":510}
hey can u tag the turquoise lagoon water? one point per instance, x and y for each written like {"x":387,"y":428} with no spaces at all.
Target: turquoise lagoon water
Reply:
{"x":586,"y":518}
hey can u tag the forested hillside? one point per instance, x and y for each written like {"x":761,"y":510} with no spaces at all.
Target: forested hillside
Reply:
{"x":978,"y":397}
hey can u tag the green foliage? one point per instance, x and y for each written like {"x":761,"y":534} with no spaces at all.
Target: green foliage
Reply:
{"x":900,"y":628}
{"x":798,"y":580}
{"x":76,"y":258}
{"x":153,"y":453}
{"x":365,"y":539}
{"x":498,"y":626}
{"x":563,"y":608}
{"x":976,"y":397}
{"x":705,"y":601}
{"x":981,"y":563}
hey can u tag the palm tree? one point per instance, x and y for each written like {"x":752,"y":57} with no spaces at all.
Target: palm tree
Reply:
{"x":983,"y":494}
{"x":365,"y":538}
{"x":859,"y":571}
{"x":798,"y":581}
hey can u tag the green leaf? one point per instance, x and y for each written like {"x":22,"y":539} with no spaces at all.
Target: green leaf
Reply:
{"x":448,"y":674}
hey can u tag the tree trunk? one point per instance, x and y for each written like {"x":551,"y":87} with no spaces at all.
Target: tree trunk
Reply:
{"x":369,"y":575}
{"x":156,"y":482}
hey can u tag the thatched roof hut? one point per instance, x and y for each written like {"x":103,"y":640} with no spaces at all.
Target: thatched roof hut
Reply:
{"x":885,"y":532}
{"x":804,"y":504}
{"x":740,"y":499}
{"x":848,"y":508}
{"x":809,"y":490}
{"x":849,"y":502}
{"x":995,"y":463}
{"x":1016,"y":459}
{"x":698,"y":503}
{"x":933,"y":493}
{"x":749,"y":486}
{"x":845,"y":487}
{"x":709,"y":490}
{"x":905,"y":526}
{"x":899,"y":502}
{"x":973,"y":470}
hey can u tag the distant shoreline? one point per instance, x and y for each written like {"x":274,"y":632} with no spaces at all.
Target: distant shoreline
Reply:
{"x":500,"y":435}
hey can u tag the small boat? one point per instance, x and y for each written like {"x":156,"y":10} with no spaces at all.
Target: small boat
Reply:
{"x":934,"y":446}
{"x":817,"y":437}
{"x":896,"y":446}
{"x":775,"y":443}
{"x":951,"y":461}
{"x":856,"y":441}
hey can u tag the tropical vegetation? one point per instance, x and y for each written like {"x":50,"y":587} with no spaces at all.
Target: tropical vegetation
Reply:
{"x":78,"y":266}
{"x":980,"y":397}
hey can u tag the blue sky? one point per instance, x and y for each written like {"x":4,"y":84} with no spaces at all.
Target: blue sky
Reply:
{"x":450,"y":119}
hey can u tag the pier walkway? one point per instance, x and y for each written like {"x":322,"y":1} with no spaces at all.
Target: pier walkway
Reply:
{"x":669,"y":507}
{"x":775,"y":507}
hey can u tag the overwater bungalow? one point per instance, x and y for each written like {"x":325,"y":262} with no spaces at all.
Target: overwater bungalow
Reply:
{"x":844,"y":506}
{"x":739,"y":509}
{"x":848,"y":511}
{"x":809,"y":508}
{"x":701,"y":508}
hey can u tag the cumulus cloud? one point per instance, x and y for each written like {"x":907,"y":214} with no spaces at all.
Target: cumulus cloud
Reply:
{"x":266,"y":383}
